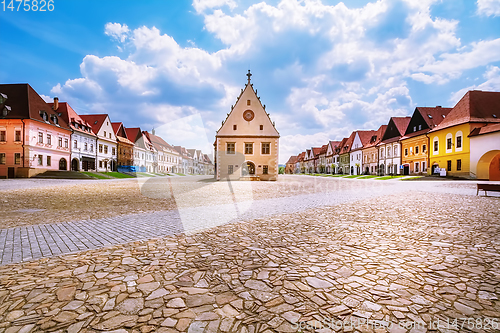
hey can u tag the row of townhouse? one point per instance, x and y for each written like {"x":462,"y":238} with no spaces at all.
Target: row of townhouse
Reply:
{"x":36,"y":136}
{"x":462,"y":141}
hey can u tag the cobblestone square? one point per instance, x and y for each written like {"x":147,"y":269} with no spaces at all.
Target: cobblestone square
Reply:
{"x":301,"y":254}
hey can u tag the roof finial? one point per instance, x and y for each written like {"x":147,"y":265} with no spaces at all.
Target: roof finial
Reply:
{"x":249,"y":75}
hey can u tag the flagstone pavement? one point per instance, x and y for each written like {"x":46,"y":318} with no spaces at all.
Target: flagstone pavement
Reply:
{"x":412,"y":257}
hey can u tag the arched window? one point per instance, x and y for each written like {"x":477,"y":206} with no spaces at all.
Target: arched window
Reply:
{"x":458,"y":141}
{"x":449,"y":143}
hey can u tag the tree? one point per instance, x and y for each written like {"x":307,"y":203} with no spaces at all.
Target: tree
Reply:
{"x":281,"y":170}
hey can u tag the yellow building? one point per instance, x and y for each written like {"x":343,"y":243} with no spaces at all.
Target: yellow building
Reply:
{"x":246,"y":145}
{"x":415,"y":142}
{"x":449,"y":141}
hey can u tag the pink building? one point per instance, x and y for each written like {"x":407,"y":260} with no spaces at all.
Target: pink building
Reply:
{"x":33,"y":137}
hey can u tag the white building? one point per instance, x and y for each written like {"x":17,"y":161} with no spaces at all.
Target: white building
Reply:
{"x":106,"y":141}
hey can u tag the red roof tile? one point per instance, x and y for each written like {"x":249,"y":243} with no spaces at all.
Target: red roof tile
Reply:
{"x":490,"y":128}
{"x":133,"y":133}
{"x":95,"y":121}
{"x":292,"y":160}
{"x":25,"y":103}
{"x":475,"y":106}
{"x":70,"y":116}
{"x":433,"y":116}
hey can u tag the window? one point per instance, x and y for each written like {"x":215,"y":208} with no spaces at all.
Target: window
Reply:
{"x":448,"y":166}
{"x":265,"y":169}
{"x":416,"y":149}
{"x":105,"y":149}
{"x":406,"y":151}
{"x":230,"y":169}
{"x":230,"y":147}
{"x":104,"y":133}
{"x":113,"y":151}
{"x":85,"y":146}
{"x":424,"y":148}
{"x":40,"y":159}
{"x":100,"y":148}
{"x":436,"y":146}
{"x":3,"y":136}
{"x":459,"y":141}
{"x":248,"y":102}
{"x":60,"y":142}
{"x":66,"y":142}
{"x":459,"y":165}
{"x":266,"y":148}
{"x":100,"y":164}
{"x":18,"y":136}
{"x":2,"y":158}
{"x":249,"y":148}
{"x":416,"y":167}
{"x":110,"y":135}
{"x":261,"y":127}
{"x":49,"y":160}
{"x":419,"y":127}
{"x":396,"y":151}
{"x":40,"y":137}
{"x":91,"y":147}
{"x":17,"y":158}
{"x":448,"y":143}
{"x":235,"y":127}
{"x":75,"y":144}
{"x":414,"y":128}
{"x":49,"y":139}
{"x":423,"y":166}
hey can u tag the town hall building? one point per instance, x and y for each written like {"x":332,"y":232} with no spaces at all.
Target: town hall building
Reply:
{"x":246,"y":145}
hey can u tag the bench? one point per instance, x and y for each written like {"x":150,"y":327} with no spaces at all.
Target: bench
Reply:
{"x":488,"y":187}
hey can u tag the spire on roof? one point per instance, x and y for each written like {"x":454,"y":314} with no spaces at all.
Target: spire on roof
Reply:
{"x":249,"y":75}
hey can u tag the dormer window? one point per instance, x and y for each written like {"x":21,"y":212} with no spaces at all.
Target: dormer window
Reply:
{"x":6,"y":110}
{"x":430,"y":117}
{"x":44,"y":115}
{"x":3,"y":98}
{"x":494,"y":115}
{"x":54,"y":119}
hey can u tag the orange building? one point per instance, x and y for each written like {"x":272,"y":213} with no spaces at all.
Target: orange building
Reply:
{"x":415,"y":142}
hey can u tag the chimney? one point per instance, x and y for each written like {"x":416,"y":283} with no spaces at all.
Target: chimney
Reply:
{"x":153,"y":131}
{"x":438,"y":106}
{"x":56,"y":103}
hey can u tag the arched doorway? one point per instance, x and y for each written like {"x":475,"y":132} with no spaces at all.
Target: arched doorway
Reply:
{"x":248,"y":169}
{"x":63,"y":164}
{"x":488,"y":166}
{"x":74,"y":164}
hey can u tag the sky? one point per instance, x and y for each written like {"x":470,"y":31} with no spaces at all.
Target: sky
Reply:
{"x":323,"y":68}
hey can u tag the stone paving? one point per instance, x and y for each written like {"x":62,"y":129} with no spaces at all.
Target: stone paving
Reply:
{"x":400,"y":262}
{"x":37,"y":241}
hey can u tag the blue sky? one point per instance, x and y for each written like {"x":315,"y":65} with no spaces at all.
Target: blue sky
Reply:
{"x":323,"y":68}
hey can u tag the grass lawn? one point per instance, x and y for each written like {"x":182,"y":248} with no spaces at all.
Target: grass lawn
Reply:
{"x":390,"y":177}
{"x":95,"y":175}
{"x":368,"y":176}
{"x":179,"y":174}
{"x":143,"y":174}
{"x":117,"y":174}
{"x":414,"y":177}
{"x":353,"y":176}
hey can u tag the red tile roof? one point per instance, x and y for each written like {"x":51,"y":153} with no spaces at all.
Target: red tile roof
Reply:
{"x":401,"y":123}
{"x":348,"y":143}
{"x":25,"y":103}
{"x":316,"y":151}
{"x":158,"y":142}
{"x":133,"y":133}
{"x":301,"y":156}
{"x":433,"y":116}
{"x":475,"y":106}
{"x":490,"y":128}
{"x":376,"y":137}
{"x":292,"y":160}
{"x":95,"y":121}
{"x":70,"y":116}
{"x":323,"y":149}
{"x":334,"y":145}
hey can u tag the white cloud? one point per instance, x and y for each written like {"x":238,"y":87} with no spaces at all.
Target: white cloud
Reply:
{"x":492,"y":83}
{"x":117,"y":31}
{"x":325,"y":66}
{"x":201,"y":5}
{"x":488,"y":7}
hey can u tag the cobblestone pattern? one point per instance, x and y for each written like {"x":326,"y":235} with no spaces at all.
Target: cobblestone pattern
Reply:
{"x":393,"y":259}
{"x":37,"y":241}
